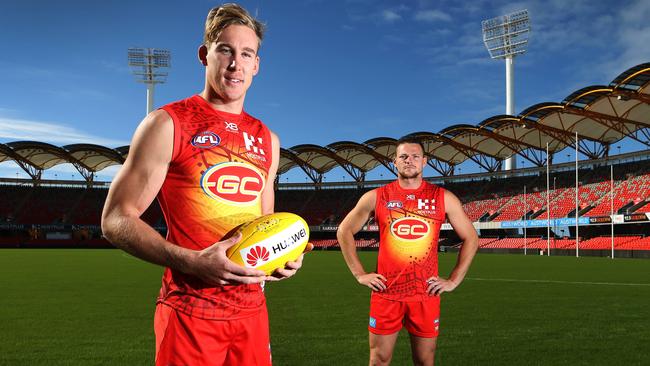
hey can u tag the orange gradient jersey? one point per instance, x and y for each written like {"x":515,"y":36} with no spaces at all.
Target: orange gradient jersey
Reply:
{"x":409,"y":225}
{"x":219,"y":167}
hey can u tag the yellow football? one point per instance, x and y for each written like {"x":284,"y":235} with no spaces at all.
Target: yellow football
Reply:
{"x":270,"y":241}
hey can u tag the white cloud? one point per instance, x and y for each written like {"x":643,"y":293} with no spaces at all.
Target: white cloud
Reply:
{"x":630,"y":40}
{"x":12,"y":129}
{"x":431,"y":16}
{"x":390,"y":16}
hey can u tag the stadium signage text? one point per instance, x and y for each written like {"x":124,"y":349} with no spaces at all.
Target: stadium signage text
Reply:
{"x":635,"y":217}
{"x":567,"y":221}
{"x":233,"y":183}
{"x":600,"y":220}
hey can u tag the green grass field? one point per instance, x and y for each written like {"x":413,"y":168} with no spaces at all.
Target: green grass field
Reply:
{"x":95,"y":307}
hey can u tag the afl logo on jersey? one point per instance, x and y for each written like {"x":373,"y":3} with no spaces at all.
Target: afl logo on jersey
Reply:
{"x":391,"y":205}
{"x":409,"y":228}
{"x":233,"y":183}
{"x":206,"y":140}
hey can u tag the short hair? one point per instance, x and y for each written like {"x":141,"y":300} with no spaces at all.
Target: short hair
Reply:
{"x":225,"y":15}
{"x":409,"y":140}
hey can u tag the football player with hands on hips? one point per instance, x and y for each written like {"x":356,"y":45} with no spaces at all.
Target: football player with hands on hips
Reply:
{"x":406,"y":287}
{"x":212,"y":167}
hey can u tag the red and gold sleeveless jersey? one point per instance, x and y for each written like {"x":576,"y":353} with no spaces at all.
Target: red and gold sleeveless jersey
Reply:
{"x":219,"y":167}
{"x":409,"y":225}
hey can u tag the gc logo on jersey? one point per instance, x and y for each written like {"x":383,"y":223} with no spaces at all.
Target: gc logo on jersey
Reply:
{"x":409,"y":228}
{"x":233,"y":183}
{"x":206,"y":140}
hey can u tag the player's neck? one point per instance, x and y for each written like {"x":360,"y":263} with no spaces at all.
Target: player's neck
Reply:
{"x":410,"y":183}
{"x":234,"y":107}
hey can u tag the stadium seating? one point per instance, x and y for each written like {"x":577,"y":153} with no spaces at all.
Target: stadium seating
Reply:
{"x":605,"y":242}
{"x":513,"y":243}
{"x":333,"y":243}
{"x":28,"y":211}
{"x":632,"y":190}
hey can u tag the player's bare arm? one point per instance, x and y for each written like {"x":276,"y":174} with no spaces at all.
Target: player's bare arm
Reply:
{"x":132,"y":191}
{"x":466,"y":232}
{"x":351,"y":225}
{"x":268,"y":206}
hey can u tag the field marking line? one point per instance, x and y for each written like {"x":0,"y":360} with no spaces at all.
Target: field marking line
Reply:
{"x":562,"y":282}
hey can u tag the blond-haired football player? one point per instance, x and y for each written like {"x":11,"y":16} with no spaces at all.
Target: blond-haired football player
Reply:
{"x":212,"y":167}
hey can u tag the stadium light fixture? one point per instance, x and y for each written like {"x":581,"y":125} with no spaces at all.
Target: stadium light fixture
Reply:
{"x":505,"y":37}
{"x":147,"y":65}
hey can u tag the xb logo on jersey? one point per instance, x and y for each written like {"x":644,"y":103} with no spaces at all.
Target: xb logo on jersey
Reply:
{"x":231,"y":126}
{"x":233,"y":183}
{"x":206,"y":140}
{"x":409,"y":228}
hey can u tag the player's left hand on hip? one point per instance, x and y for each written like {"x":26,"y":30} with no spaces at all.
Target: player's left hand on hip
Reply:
{"x":438,"y":285}
{"x":290,"y":268}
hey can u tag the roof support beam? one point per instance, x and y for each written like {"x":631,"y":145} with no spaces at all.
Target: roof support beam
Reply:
{"x":441,"y":167}
{"x":312,"y":173}
{"x":615,"y":123}
{"x":565,"y":137}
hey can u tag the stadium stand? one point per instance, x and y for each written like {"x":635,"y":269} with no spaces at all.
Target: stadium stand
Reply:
{"x":629,"y":192}
{"x":36,"y":212}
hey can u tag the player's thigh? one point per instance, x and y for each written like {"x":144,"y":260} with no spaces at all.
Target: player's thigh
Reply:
{"x":422,"y":318}
{"x":184,"y":340}
{"x":250,"y":343}
{"x":386,"y":316}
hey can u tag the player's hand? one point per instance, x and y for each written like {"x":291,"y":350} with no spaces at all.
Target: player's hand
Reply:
{"x":375,"y":281}
{"x":213,"y":266}
{"x":290,"y":268}
{"x":438,"y":285}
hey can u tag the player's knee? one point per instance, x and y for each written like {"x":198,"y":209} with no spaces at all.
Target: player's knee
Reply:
{"x":379,"y":357}
{"x":421,"y":360}
{"x":424,"y":357}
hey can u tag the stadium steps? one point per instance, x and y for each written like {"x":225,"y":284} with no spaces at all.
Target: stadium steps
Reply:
{"x":626,"y":208}
{"x":637,"y":206}
{"x":645,"y":207}
{"x":493,"y":216}
{"x":485,"y":217}
{"x":584,"y":211}
{"x":537,"y":214}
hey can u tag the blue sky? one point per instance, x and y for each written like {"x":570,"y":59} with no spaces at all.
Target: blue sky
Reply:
{"x":330,"y":70}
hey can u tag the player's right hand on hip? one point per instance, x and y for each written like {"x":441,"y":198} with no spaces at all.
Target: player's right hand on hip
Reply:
{"x":213,"y":266}
{"x":375,"y":281}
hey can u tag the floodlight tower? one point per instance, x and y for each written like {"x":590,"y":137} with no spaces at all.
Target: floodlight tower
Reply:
{"x":147,"y":65}
{"x":506,"y":37}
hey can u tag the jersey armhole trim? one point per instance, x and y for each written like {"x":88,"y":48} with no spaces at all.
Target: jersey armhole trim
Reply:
{"x":176,"y":148}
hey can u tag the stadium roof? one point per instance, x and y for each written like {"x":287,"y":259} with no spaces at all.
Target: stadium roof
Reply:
{"x":599,"y":115}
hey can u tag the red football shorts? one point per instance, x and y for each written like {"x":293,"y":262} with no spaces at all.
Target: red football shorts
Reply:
{"x":182,"y":340}
{"x":421,"y":318}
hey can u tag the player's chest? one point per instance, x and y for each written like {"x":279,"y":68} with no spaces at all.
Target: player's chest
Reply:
{"x":424,"y":204}
{"x":248,"y":140}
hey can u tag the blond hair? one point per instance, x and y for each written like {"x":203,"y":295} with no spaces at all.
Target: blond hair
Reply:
{"x":225,"y":15}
